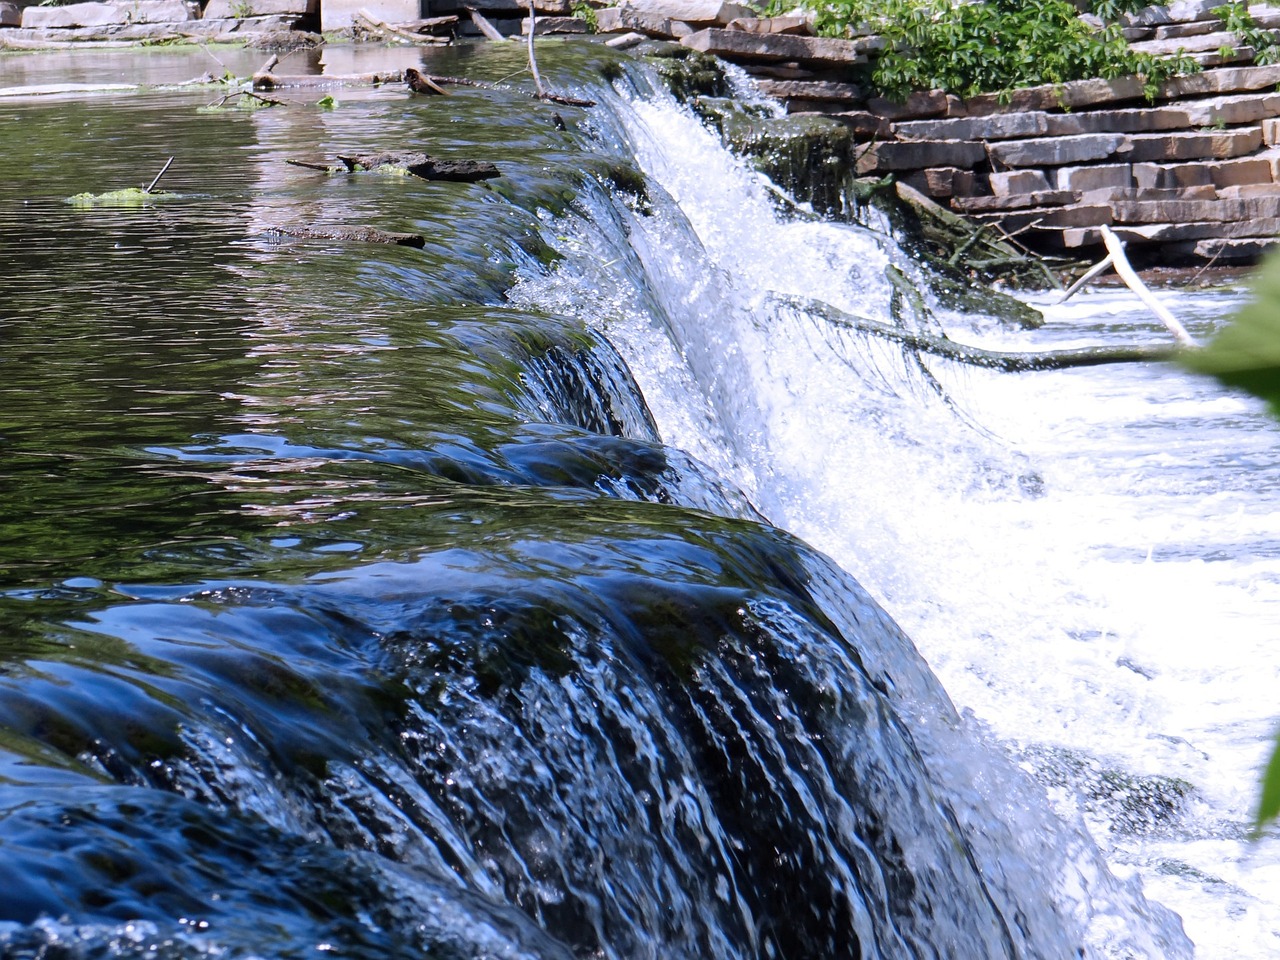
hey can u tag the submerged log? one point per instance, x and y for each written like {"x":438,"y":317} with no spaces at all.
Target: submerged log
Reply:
{"x":419,"y":82}
{"x":351,"y":234}
{"x":424,"y":166}
{"x":1010,"y":361}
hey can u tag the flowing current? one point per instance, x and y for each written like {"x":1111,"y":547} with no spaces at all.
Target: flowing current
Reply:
{"x":354,"y":601}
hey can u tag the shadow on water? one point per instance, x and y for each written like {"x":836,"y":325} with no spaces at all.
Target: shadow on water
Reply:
{"x":347,"y":608}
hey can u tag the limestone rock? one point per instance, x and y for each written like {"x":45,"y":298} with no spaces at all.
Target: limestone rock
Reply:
{"x":1060,"y":151}
{"x":704,"y":12}
{"x":920,"y":154}
{"x":1190,"y":145}
{"x":1019,"y":181}
{"x":233,"y":9}
{"x":107,"y":13}
{"x":339,"y":14}
{"x":1005,"y":126}
{"x":797,"y":25}
{"x":1039,"y":198}
{"x":555,"y":25}
{"x":827,"y":90}
{"x":10,"y":15}
{"x":735,"y":44}
{"x":627,"y":18}
{"x":1095,"y":177}
{"x":921,"y":103}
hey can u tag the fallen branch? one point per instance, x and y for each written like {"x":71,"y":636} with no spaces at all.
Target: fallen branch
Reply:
{"x":1016,"y":362}
{"x":353,"y":234}
{"x":1098,"y":268}
{"x":380,"y":26}
{"x":1134,"y":283}
{"x":487,"y":28}
{"x":533,"y":60}
{"x":269,"y":81}
{"x":268,"y":101}
{"x":419,"y":82}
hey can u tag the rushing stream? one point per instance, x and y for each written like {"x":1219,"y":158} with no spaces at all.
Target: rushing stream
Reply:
{"x":355,"y":600}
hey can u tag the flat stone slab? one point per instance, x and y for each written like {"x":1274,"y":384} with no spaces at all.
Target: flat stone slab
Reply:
{"x":1015,"y":201}
{"x":920,"y":154}
{"x":1188,"y":211}
{"x":627,"y":19}
{"x":1078,"y":215}
{"x":921,"y":103}
{"x":1246,"y":249}
{"x":235,"y":9}
{"x":1228,"y":110}
{"x":1188,"y":44}
{"x":106,"y":14}
{"x":1009,"y":182}
{"x":1060,"y":151}
{"x":556,"y":25}
{"x":829,"y":90}
{"x":703,"y":12}
{"x":1095,"y":177}
{"x":796,"y":25}
{"x":735,"y":44}
{"x":340,"y":14}
{"x":1187,"y":145}
{"x":1170,"y":232}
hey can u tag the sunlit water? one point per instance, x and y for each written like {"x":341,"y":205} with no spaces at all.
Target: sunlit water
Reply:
{"x":352,"y":586}
{"x":1087,"y":558}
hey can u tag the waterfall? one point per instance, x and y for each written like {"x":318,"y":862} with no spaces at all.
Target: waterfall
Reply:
{"x":378,"y":606}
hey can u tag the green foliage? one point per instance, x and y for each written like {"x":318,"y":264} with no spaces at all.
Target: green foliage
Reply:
{"x":327,"y":102}
{"x":1246,"y":354}
{"x":987,"y":46}
{"x":1237,"y":19}
{"x":584,"y":11}
{"x":129,"y":197}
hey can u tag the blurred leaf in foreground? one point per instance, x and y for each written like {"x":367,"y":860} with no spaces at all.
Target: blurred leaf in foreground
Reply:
{"x":1246,"y":353}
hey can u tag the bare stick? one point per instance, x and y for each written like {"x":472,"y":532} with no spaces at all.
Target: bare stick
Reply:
{"x":533,"y":60}
{"x":313,"y":166}
{"x":383,"y":27}
{"x":163,"y":171}
{"x":1098,"y":268}
{"x":487,"y":28}
{"x":979,"y":356}
{"x":1134,"y":283}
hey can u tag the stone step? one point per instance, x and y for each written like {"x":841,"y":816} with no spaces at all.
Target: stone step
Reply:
{"x":1241,"y":250}
{"x":1250,"y":190}
{"x":1259,"y":168}
{"x":701,"y":12}
{"x":920,"y":154}
{"x":626,"y":19}
{"x":735,"y":44}
{"x":1084,"y":148}
{"x":826,"y":90}
{"x":1088,"y":236}
{"x":797,"y":25}
{"x":109,"y":13}
{"x":1076,"y":215}
{"x":1189,"y":211}
{"x":229,"y":9}
{"x":1228,"y":110}
{"x":555,"y":26}
{"x":1080,"y":94}
{"x":1015,"y":201}
{"x":1188,"y":44}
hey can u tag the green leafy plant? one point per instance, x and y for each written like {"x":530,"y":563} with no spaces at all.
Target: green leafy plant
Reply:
{"x":1237,"y":19}
{"x":1246,"y":354}
{"x":584,"y":11}
{"x":988,"y":46}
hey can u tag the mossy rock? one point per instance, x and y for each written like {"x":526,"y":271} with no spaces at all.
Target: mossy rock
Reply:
{"x":129,"y":197}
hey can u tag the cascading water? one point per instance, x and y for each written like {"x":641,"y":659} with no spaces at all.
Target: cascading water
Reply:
{"x":352,"y":605}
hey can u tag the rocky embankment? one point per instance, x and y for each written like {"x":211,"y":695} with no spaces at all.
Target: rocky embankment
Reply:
{"x":1191,"y":175}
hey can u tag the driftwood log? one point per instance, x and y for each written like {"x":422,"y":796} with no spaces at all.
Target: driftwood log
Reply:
{"x":350,"y":234}
{"x":416,"y":164}
{"x":1016,"y":362}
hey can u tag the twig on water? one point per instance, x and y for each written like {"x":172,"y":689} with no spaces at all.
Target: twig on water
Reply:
{"x":163,"y":171}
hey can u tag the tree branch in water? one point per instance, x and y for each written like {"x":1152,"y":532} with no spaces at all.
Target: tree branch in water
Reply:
{"x":979,"y":356}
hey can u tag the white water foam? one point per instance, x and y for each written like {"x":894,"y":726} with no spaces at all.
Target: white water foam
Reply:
{"x":1093,"y":572}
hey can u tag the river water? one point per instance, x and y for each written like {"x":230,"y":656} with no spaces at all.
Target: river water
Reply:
{"x":353,"y":599}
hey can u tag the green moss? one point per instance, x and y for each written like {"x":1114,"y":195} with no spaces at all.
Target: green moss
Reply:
{"x":129,"y":197}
